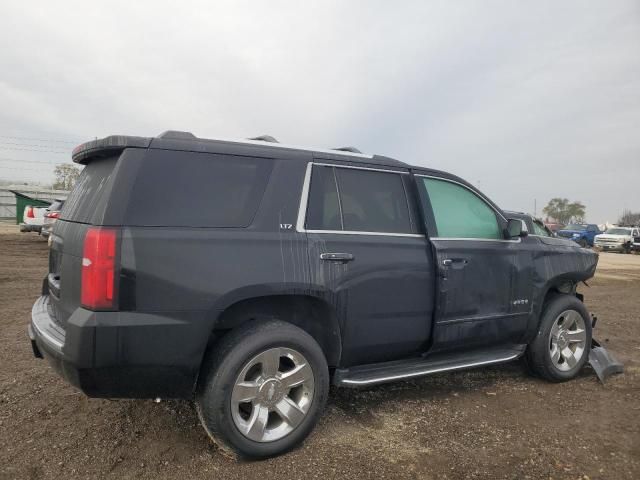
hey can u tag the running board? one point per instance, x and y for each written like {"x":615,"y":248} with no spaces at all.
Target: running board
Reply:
{"x":376,"y":373}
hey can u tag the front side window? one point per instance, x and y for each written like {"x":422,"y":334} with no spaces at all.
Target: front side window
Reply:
{"x":540,"y":230}
{"x":357,"y":200}
{"x":460,"y":213}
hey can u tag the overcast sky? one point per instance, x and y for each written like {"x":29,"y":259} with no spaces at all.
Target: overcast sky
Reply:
{"x":527,"y":101}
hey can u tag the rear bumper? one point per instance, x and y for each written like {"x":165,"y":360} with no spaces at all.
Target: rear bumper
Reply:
{"x":25,"y":227}
{"x":120,"y":354}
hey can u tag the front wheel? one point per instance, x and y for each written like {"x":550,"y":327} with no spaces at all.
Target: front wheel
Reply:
{"x":262,"y":389}
{"x":561,"y":347}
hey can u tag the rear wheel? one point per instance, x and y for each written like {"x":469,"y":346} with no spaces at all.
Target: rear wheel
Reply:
{"x":562,"y":345}
{"x":262,"y":389}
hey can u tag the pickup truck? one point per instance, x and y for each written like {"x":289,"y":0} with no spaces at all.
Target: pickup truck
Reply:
{"x":581,"y":233}
{"x":33,"y":219}
{"x":618,"y":239}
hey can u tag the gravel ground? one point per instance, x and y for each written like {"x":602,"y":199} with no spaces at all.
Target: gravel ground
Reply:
{"x":491,"y":423}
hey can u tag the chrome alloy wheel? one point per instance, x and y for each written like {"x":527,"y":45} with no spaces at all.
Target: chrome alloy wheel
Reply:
{"x":568,"y":340}
{"x":272,"y":394}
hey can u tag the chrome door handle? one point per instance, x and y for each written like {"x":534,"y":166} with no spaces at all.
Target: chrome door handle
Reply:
{"x":337,"y":257}
{"x":458,"y":262}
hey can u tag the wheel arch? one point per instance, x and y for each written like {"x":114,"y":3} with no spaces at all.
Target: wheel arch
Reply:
{"x":312,"y":314}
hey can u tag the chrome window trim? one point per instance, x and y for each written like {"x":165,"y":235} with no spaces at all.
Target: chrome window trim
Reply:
{"x":304,"y":202}
{"x":518,"y":240}
{"x":355,"y":167}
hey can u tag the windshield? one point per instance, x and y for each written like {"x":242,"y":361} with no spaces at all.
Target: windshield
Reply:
{"x":575,"y":227}
{"x":619,"y":231}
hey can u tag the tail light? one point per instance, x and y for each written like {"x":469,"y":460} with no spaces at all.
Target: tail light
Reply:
{"x":99,"y":269}
{"x":53,"y":215}
{"x":30,"y":212}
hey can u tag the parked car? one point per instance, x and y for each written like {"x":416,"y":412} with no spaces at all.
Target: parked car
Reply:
{"x":32,"y":219}
{"x":581,"y":233}
{"x":273,"y":271}
{"x":618,"y":239}
{"x":530,"y":224}
{"x":51,"y":215}
{"x":635,"y":247}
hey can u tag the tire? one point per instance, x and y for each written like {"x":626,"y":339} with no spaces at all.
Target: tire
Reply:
{"x":548,"y":362}
{"x":242,"y":364}
{"x":583,"y":243}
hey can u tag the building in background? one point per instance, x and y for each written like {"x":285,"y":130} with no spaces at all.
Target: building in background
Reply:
{"x":13,"y":199}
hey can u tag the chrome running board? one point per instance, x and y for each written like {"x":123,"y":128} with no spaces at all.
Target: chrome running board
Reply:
{"x":377,"y":373}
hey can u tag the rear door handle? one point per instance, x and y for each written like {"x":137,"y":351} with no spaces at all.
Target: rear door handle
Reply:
{"x":455,"y":262}
{"x":337,"y":257}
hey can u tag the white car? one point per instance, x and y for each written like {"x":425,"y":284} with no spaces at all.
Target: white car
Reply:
{"x":33,"y":219}
{"x":618,"y":239}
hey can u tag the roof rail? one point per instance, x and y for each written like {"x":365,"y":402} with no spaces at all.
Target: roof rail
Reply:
{"x":265,"y":138}
{"x":177,"y":135}
{"x":347,"y":149}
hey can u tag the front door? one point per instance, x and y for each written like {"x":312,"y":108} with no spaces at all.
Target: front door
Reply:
{"x":370,"y":260}
{"x":483,"y":280}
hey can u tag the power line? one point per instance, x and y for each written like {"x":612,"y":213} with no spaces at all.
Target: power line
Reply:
{"x":4,"y":159}
{"x":34,"y":150}
{"x":40,"y":139}
{"x":33,"y":145}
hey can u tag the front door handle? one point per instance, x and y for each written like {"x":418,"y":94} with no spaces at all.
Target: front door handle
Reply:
{"x":337,"y":257}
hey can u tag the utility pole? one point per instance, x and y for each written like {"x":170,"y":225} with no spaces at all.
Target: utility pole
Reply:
{"x":535,"y":208}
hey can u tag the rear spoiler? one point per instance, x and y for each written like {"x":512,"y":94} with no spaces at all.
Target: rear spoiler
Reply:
{"x":107,"y":146}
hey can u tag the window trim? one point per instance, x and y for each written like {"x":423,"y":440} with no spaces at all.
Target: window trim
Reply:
{"x":304,"y":201}
{"x":479,"y":195}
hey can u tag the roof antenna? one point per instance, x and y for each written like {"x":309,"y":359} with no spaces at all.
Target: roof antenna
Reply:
{"x":265,"y":138}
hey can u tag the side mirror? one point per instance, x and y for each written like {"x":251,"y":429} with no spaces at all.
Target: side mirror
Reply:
{"x":514,"y":228}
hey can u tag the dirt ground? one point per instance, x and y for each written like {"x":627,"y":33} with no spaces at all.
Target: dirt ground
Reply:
{"x":491,"y":423}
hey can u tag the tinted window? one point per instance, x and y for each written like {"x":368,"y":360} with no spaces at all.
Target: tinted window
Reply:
{"x":460,"y":213}
{"x":372,"y":201}
{"x":323,"y":211}
{"x":197,"y":189}
{"x":85,"y":197}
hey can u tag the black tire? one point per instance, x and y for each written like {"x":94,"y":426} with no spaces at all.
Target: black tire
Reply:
{"x":583,"y":243}
{"x":538,"y":355}
{"x":224,"y":363}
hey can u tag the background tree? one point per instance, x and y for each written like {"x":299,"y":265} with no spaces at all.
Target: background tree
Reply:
{"x":629,"y":218}
{"x":66,"y":176}
{"x":564,"y":211}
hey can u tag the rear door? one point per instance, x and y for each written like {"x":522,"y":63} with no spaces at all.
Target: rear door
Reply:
{"x":484,"y":280}
{"x":369,"y":258}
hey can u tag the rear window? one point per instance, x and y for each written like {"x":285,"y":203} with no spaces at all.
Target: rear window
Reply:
{"x":86,"y":196}
{"x":197,"y":190}
{"x":55,"y":206}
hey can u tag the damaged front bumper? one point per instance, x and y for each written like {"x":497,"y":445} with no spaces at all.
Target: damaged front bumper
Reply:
{"x":602,"y":362}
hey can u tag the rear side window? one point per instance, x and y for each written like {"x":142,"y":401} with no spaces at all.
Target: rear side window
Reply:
{"x":460,"y":213}
{"x":86,"y":197}
{"x":197,"y":190}
{"x":357,"y":200}
{"x":324,"y":211}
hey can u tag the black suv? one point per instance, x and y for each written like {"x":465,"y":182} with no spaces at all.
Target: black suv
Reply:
{"x":251,"y":275}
